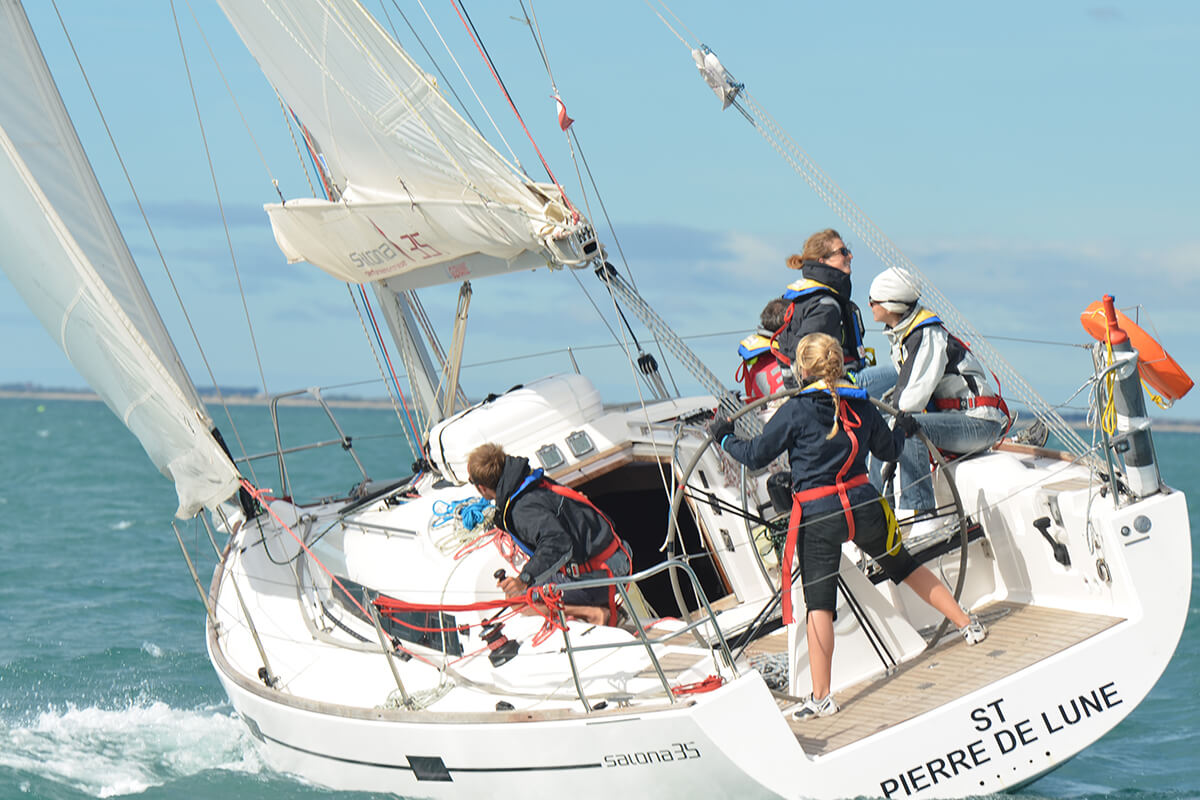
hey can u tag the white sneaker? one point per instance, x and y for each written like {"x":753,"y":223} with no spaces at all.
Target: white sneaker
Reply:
{"x":973,"y":632}
{"x":816,"y":708}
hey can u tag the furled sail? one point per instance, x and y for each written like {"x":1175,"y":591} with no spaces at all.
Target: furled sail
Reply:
{"x":419,"y":196}
{"x":63,"y":252}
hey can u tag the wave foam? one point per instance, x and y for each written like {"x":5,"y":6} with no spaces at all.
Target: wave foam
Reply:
{"x":105,"y":753}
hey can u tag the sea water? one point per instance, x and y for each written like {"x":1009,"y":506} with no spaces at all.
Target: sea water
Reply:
{"x":105,"y":687}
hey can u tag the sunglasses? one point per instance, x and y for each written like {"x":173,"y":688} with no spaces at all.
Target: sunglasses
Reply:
{"x":843,"y":251}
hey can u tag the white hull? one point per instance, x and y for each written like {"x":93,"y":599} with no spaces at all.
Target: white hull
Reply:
{"x":1014,"y":713}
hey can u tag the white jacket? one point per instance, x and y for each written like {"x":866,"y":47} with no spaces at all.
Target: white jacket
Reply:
{"x":931,"y":364}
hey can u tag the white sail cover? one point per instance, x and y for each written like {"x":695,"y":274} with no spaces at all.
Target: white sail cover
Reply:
{"x":421,"y":192}
{"x":62,"y":250}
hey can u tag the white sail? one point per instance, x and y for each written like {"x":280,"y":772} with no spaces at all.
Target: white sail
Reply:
{"x":422,"y":198}
{"x":63,"y":252}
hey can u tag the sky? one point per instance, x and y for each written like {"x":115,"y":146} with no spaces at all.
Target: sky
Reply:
{"x":1028,"y":157}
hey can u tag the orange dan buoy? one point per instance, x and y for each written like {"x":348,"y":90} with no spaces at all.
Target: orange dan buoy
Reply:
{"x":1157,"y":368}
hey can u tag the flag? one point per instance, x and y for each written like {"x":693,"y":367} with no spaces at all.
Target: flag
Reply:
{"x":564,"y":121}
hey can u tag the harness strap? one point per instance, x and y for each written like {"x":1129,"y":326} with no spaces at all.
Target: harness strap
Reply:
{"x":782,"y":357}
{"x":789,"y":547}
{"x":840,"y":488}
{"x":966,"y":403}
{"x":596,"y":563}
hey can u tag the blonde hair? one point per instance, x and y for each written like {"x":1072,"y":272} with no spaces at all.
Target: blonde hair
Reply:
{"x":820,"y":356}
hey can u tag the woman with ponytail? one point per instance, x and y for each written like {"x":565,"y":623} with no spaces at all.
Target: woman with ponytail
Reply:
{"x":828,"y":430}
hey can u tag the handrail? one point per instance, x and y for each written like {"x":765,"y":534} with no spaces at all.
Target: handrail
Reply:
{"x":642,"y":639}
{"x":343,"y":439}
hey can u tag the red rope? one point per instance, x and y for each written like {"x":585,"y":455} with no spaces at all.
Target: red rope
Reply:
{"x":706,"y":685}
{"x":262,"y":497}
{"x":535,"y":597}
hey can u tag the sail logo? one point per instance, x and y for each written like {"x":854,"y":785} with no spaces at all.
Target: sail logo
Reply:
{"x":383,"y":259}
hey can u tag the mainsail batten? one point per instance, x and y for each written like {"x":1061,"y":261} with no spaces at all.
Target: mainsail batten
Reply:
{"x":66,"y":257}
{"x":389,"y":136}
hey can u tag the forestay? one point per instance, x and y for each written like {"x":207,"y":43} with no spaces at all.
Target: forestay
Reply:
{"x":65,"y":255}
{"x":418,"y":195}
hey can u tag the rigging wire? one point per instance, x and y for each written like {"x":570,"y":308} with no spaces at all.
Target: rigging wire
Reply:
{"x":142,"y":210}
{"x":220,"y":203}
{"x":232,"y":96}
{"x":391,"y":369}
{"x":428,"y":55}
{"x":287,"y":121}
{"x":471,"y":86}
{"x":462,"y":15}
{"x":833,"y":196}
{"x":377,"y":344}
{"x":637,"y":380}
{"x":574,"y":144}
{"x":400,"y":408}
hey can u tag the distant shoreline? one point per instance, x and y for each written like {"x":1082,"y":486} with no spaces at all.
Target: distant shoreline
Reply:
{"x":233,"y":399}
{"x":243,"y":399}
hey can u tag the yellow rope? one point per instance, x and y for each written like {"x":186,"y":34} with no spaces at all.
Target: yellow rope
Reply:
{"x":1108,"y":418}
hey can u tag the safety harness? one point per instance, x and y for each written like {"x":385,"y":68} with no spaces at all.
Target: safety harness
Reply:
{"x":854,"y":354}
{"x":597,"y":563}
{"x":849,"y":420}
{"x":926,"y":318}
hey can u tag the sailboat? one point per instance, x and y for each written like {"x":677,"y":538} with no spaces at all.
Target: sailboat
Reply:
{"x":361,"y":638}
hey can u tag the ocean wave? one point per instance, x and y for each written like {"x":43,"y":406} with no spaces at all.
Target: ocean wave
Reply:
{"x":108,"y":753}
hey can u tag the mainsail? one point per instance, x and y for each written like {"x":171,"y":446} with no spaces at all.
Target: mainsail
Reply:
{"x":418,"y":196}
{"x":63,"y":252}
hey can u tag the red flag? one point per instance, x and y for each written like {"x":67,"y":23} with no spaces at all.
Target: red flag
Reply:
{"x":564,"y":121}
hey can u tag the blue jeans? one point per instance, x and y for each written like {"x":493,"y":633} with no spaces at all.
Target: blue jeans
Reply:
{"x":876,"y":380}
{"x":951,"y":431}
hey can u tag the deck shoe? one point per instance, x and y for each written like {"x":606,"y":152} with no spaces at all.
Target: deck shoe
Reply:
{"x":973,"y":632}
{"x":811,"y":708}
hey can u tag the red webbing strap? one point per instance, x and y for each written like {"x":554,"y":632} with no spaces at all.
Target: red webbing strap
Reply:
{"x":840,"y":488}
{"x":789,"y":547}
{"x":781,"y":356}
{"x":596,"y":562}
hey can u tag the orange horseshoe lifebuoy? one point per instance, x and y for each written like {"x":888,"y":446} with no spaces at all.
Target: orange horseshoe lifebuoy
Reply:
{"x":1157,"y":369}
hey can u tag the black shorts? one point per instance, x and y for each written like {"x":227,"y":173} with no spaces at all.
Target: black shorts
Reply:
{"x":819,"y":550}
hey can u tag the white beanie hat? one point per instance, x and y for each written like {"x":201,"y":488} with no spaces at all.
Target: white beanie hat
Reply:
{"x":895,"y":290}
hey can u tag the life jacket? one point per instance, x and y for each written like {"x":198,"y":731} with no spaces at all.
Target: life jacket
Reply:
{"x":849,"y":421}
{"x":854,"y":354}
{"x":759,"y":358}
{"x":956,"y":351}
{"x":598,"y":562}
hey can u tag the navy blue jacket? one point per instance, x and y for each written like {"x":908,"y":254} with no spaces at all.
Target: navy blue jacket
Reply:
{"x":557,"y":529}
{"x":822,"y":312}
{"x":800,"y":426}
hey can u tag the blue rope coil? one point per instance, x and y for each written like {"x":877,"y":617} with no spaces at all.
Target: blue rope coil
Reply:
{"x":469,"y":510}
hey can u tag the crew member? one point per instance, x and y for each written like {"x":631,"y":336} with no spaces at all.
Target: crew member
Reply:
{"x":820,"y":300}
{"x":827,"y":431}
{"x":760,"y":372}
{"x":937,"y":375}
{"x":565,"y":536}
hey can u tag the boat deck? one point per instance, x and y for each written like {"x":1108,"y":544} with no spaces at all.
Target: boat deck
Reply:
{"x":1018,"y":636}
